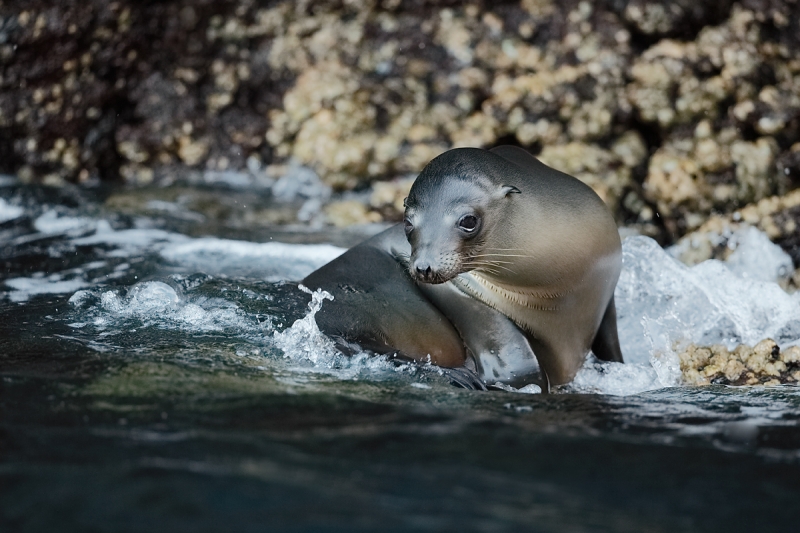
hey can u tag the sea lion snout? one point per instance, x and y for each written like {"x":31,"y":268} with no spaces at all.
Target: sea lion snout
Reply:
{"x":426,"y":267}
{"x":423,"y":271}
{"x":441,"y":231}
{"x":435,"y":251}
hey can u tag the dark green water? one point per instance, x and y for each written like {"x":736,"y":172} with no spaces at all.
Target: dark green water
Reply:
{"x":159,"y":400}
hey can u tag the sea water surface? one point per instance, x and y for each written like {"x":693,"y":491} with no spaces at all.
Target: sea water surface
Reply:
{"x":161,"y":372}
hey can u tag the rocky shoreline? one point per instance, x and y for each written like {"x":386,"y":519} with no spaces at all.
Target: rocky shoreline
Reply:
{"x":683,"y":116}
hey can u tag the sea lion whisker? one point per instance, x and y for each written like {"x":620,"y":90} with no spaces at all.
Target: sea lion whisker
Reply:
{"x":485,"y":258}
{"x":487,"y":261}
{"x":487,"y":268}
{"x":490,"y":264}
{"x":493,"y":265}
{"x":508,"y":255}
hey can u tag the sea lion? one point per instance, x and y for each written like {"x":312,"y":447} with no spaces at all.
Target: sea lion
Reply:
{"x":377,"y":306}
{"x":525,"y":243}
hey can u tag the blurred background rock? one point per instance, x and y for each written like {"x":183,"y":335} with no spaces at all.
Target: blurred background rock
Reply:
{"x":672,"y":111}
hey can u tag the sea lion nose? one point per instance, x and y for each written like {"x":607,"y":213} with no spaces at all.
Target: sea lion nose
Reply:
{"x":423,"y":269}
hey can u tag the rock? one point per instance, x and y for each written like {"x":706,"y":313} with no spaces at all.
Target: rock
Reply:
{"x":345,"y":213}
{"x":388,"y":197}
{"x":763,"y":364}
{"x":671,"y":111}
{"x":603,"y":170}
{"x":778,"y":217}
{"x":691,"y":176}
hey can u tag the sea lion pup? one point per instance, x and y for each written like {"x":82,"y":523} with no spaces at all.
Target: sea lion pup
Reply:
{"x":491,"y":238}
{"x":378,"y":306}
{"x":529,"y":241}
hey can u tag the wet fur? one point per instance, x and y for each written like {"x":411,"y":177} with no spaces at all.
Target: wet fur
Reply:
{"x":548,"y":256}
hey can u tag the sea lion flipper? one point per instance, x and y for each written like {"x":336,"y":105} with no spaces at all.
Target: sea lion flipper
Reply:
{"x":465,"y":378}
{"x":460,"y":376}
{"x":606,"y":342}
{"x":498,"y":350}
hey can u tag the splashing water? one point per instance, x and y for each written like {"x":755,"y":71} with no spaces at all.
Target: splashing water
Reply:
{"x":661,"y":303}
{"x":309,"y":349}
{"x":304,"y":340}
{"x":157,"y":304}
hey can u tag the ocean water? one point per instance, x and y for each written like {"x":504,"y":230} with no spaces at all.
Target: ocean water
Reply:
{"x":158,"y":372}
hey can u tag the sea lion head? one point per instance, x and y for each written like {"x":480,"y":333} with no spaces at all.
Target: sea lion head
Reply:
{"x":458,"y":204}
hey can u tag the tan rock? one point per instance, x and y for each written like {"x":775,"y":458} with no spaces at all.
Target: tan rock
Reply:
{"x":192,"y":151}
{"x":601,"y":169}
{"x":762,"y":363}
{"x":791,"y":355}
{"x":390,"y":194}
{"x":349,"y":212}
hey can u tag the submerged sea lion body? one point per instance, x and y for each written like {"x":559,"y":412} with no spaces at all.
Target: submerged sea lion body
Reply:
{"x":493,"y":237}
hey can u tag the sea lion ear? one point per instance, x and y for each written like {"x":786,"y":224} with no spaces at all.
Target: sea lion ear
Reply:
{"x":405,"y":201}
{"x":505,"y":190}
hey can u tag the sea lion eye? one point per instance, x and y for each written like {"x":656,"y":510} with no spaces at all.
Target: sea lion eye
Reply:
{"x":468,"y":223}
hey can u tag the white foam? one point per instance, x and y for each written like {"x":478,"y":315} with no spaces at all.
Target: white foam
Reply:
{"x":753,"y":255}
{"x":143,"y":299}
{"x":131,"y":240}
{"x":254,"y":179}
{"x":527,"y":389}
{"x":9,"y":211}
{"x":304,"y":340}
{"x":175,"y":210}
{"x":24,"y":288}
{"x":51,"y":223}
{"x":272,"y":261}
{"x":662,"y":302}
{"x":158,"y":304}
{"x":300,"y":183}
{"x":629,"y":378}
{"x":268,"y":261}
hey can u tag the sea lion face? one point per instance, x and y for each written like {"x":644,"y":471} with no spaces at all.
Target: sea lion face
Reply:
{"x":447,"y":224}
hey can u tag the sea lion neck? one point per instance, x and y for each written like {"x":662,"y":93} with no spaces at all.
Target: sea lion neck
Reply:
{"x":493,"y":292}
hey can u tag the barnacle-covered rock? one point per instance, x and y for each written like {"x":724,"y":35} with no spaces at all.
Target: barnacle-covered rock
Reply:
{"x":671,"y":111}
{"x":762,"y":364}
